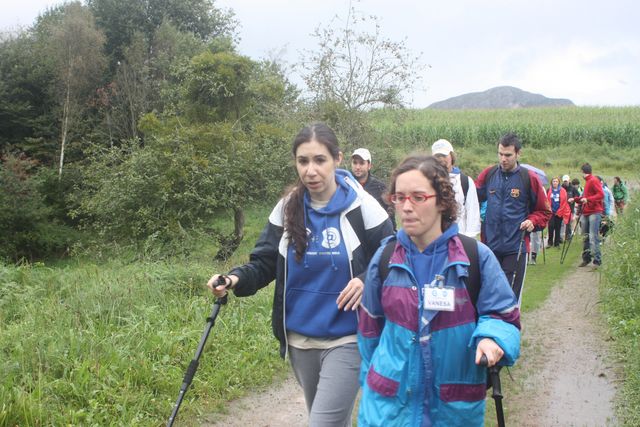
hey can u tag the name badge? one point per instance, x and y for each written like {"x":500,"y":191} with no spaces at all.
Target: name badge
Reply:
{"x":438,"y":297}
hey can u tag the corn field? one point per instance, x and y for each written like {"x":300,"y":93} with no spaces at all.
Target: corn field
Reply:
{"x":537,"y":127}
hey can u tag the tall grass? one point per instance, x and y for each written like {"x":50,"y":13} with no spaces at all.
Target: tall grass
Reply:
{"x":620,"y":295}
{"x":108,"y":344}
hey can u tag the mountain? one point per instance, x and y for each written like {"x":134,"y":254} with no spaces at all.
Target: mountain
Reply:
{"x":499,"y":97}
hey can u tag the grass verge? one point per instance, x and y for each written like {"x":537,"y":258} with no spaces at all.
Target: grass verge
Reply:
{"x":108,"y":344}
{"x":620,"y":296}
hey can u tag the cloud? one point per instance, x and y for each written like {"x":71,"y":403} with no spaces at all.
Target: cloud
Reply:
{"x":586,"y":73}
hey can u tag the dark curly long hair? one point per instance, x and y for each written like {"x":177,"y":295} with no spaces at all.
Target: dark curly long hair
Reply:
{"x":294,"y":207}
{"x":438,"y":177}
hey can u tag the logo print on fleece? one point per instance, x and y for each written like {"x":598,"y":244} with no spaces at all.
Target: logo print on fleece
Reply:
{"x":330,"y":238}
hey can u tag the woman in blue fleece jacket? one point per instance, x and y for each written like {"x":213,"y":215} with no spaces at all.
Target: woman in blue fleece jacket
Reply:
{"x":420,"y":335}
{"x":316,"y":245}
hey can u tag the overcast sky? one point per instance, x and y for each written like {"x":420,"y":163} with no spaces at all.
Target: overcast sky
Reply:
{"x":585,"y":50}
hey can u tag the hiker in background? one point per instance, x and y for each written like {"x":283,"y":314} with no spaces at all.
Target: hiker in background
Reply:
{"x":322,"y":233}
{"x":575,"y":182}
{"x":516,"y":205}
{"x":361,"y":169}
{"x":464,"y":188}
{"x":421,"y":332}
{"x":577,"y":210}
{"x":606,"y":224}
{"x":620,"y":194}
{"x":561,"y":213}
{"x":592,"y":203}
{"x":572,"y":192}
{"x":535,"y":246}
{"x":608,"y":200}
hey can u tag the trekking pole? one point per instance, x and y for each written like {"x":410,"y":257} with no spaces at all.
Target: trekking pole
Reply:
{"x":565,"y":251}
{"x":193,"y":366}
{"x":494,"y":376}
{"x":515,"y":271}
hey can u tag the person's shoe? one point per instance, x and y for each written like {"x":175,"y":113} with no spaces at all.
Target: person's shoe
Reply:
{"x":532,"y":261}
{"x":584,"y":264}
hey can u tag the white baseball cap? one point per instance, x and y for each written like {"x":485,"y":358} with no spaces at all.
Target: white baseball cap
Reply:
{"x":364,"y":153}
{"x":441,"y":146}
{"x":565,"y":178}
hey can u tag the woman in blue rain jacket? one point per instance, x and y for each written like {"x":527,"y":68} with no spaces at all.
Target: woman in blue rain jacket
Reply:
{"x":420,"y":365}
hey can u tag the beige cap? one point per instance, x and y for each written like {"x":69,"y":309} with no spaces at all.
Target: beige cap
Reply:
{"x":362,"y":152}
{"x":441,"y":146}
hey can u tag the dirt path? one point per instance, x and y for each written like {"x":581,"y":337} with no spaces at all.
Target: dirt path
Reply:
{"x":569,"y":376}
{"x":281,"y":405}
{"x":564,"y":377}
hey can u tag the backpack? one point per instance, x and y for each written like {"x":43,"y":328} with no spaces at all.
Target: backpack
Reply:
{"x":472,"y":283}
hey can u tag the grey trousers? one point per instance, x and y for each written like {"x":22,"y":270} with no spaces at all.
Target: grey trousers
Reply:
{"x":329,"y":379}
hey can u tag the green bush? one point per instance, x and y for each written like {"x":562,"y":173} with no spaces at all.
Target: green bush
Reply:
{"x":166,"y":191}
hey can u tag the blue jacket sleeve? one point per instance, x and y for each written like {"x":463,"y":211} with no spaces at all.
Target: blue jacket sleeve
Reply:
{"x":498,"y":312}
{"x":371,"y":316}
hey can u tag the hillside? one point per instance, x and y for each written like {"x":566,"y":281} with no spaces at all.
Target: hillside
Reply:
{"x":499,"y":97}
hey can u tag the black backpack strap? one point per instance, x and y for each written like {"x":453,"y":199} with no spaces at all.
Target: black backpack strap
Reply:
{"x":491,"y":172}
{"x":472,"y":283}
{"x":484,"y":196}
{"x":464,"y":181}
{"x":383,"y":265}
{"x":526,"y":181}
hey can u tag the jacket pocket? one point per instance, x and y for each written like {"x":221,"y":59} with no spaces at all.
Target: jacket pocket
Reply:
{"x":380,"y":384}
{"x":462,"y":392}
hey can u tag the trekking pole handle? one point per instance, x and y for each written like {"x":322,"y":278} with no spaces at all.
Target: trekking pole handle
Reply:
{"x":494,"y":374}
{"x":483,"y":360}
{"x":226,"y":281}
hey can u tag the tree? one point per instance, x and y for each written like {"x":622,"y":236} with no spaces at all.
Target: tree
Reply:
{"x":217,"y":85}
{"x":29,"y":227}
{"x":75,"y":45}
{"x":120,"y":19}
{"x":217,"y":88}
{"x":356,"y":68}
{"x":27,"y":102}
{"x":132,"y":89}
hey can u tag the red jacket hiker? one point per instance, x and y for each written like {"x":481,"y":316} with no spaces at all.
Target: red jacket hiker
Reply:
{"x":594,"y":195}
